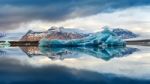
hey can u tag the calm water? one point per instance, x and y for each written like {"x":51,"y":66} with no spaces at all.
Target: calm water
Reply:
{"x":33,"y":65}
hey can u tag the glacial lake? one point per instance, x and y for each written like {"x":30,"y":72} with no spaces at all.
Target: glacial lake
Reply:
{"x":39,"y":65}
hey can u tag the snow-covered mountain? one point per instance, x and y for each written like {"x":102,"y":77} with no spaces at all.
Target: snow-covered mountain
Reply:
{"x":124,"y":33}
{"x":68,"y":30}
{"x":63,"y":33}
{"x":55,"y":33}
{"x":66,"y":33}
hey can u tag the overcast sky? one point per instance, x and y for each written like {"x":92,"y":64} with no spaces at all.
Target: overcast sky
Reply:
{"x":21,"y":15}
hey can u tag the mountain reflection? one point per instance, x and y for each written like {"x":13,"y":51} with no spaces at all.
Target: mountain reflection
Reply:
{"x":2,"y":53}
{"x":62,"y":53}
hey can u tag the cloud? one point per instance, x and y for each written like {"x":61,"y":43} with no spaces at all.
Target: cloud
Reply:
{"x":13,"y":13}
{"x":135,"y":19}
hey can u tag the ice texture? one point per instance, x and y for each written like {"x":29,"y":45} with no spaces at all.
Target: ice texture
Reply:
{"x":99,"y":39}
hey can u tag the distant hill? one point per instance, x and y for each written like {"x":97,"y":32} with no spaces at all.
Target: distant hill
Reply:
{"x":55,"y":33}
{"x":124,"y":33}
{"x":2,"y":34}
{"x":11,"y":36}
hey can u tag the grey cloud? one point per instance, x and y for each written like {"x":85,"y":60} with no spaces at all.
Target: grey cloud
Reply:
{"x":15,"y":12}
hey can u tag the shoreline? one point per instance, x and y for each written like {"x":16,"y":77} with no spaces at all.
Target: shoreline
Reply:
{"x":36,"y":43}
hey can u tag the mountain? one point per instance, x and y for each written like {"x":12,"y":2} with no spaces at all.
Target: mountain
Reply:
{"x":124,"y":34}
{"x":55,"y":33}
{"x":67,"y":30}
{"x":2,"y":34}
{"x":70,"y":33}
{"x":65,"y":33}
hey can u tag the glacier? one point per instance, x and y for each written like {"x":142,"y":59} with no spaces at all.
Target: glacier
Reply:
{"x":105,"y":38}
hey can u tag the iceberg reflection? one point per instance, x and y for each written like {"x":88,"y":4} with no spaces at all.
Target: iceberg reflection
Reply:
{"x":62,"y":53}
{"x":68,"y":52}
{"x":2,"y":53}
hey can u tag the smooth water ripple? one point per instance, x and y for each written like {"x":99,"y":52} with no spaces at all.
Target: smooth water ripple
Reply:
{"x":75,"y":65}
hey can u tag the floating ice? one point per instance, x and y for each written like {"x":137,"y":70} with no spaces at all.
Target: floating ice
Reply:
{"x":4,"y":44}
{"x":99,"y":39}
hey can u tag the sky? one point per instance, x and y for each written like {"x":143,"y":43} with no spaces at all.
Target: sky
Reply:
{"x":91,"y":15}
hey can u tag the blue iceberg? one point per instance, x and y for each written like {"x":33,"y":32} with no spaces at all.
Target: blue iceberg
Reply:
{"x":100,"y":39}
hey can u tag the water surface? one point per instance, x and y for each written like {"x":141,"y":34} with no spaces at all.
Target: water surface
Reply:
{"x":30,"y":65}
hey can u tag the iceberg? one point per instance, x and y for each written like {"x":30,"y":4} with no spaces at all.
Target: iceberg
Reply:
{"x":104,"y":38}
{"x":5,"y":44}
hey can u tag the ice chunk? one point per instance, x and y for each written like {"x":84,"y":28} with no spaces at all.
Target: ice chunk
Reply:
{"x":106,"y":37}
